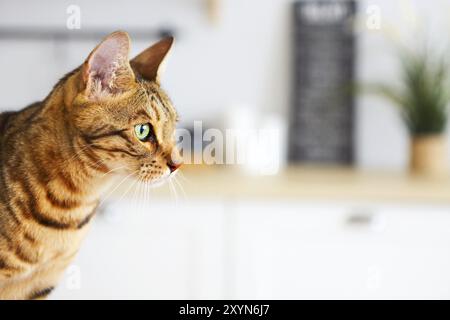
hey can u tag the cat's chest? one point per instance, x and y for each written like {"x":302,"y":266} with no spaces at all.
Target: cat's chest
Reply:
{"x":53,"y":253}
{"x":54,"y":244}
{"x":63,"y":241}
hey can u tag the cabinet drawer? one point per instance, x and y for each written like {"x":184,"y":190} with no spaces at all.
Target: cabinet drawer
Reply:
{"x":339,"y":250}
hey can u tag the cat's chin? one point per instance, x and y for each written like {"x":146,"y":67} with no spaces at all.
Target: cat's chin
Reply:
{"x":158,"y":182}
{"x":161,"y":180}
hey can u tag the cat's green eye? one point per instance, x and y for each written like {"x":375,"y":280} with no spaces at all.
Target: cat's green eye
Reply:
{"x":143,"y":131}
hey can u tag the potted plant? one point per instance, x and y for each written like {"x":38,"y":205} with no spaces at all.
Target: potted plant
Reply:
{"x":423,"y":101}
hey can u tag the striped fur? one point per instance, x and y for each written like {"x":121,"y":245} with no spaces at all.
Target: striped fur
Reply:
{"x":56,"y":154}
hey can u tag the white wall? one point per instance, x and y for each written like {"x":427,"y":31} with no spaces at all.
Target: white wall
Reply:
{"x":243,"y":59}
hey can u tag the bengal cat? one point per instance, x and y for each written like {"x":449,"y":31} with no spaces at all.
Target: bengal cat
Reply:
{"x":107,"y":116}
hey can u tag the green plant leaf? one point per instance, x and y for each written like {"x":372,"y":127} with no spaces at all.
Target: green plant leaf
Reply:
{"x":424,"y":95}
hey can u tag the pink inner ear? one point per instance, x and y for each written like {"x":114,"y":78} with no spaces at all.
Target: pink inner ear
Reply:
{"x":107,"y":59}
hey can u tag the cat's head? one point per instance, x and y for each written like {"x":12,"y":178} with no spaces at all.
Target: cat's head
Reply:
{"x":122,"y":113}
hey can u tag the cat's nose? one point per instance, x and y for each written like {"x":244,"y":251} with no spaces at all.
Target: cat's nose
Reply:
{"x":175,"y":160}
{"x":173,"y":166}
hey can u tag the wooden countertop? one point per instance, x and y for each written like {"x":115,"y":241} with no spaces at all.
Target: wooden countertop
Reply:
{"x":307,"y":183}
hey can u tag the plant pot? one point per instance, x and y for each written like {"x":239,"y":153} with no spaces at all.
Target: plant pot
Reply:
{"x":429,"y":155}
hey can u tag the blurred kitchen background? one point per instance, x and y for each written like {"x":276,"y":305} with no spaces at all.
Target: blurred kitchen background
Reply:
{"x":359,"y":203}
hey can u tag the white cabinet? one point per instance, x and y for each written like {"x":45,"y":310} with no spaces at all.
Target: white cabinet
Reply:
{"x":154,"y":252}
{"x":296,"y":251}
{"x":264,"y":250}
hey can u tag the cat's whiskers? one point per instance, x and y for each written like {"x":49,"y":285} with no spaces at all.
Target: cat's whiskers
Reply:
{"x":128,"y":190}
{"x":134,"y":197}
{"x":137,"y":196}
{"x":170,"y":189}
{"x":144,"y":195}
{"x":183,"y":176}
{"x":149,"y":193}
{"x":175,"y":179}
{"x":117,"y":186}
{"x":134,"y":201}
{"x":175,"y":193}
{"x":112,"y":170}
{"x":145,"y":192}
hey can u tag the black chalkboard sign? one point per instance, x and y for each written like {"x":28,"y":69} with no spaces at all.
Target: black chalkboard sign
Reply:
{"x":321,"y":122}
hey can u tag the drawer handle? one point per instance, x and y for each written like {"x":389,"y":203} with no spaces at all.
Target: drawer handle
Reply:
{"x":360,"y":219}
{"x":365,"y":219}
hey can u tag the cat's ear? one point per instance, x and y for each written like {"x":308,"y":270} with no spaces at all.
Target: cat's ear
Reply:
{"x":150,"y":62}
{"x":107,"y":70}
